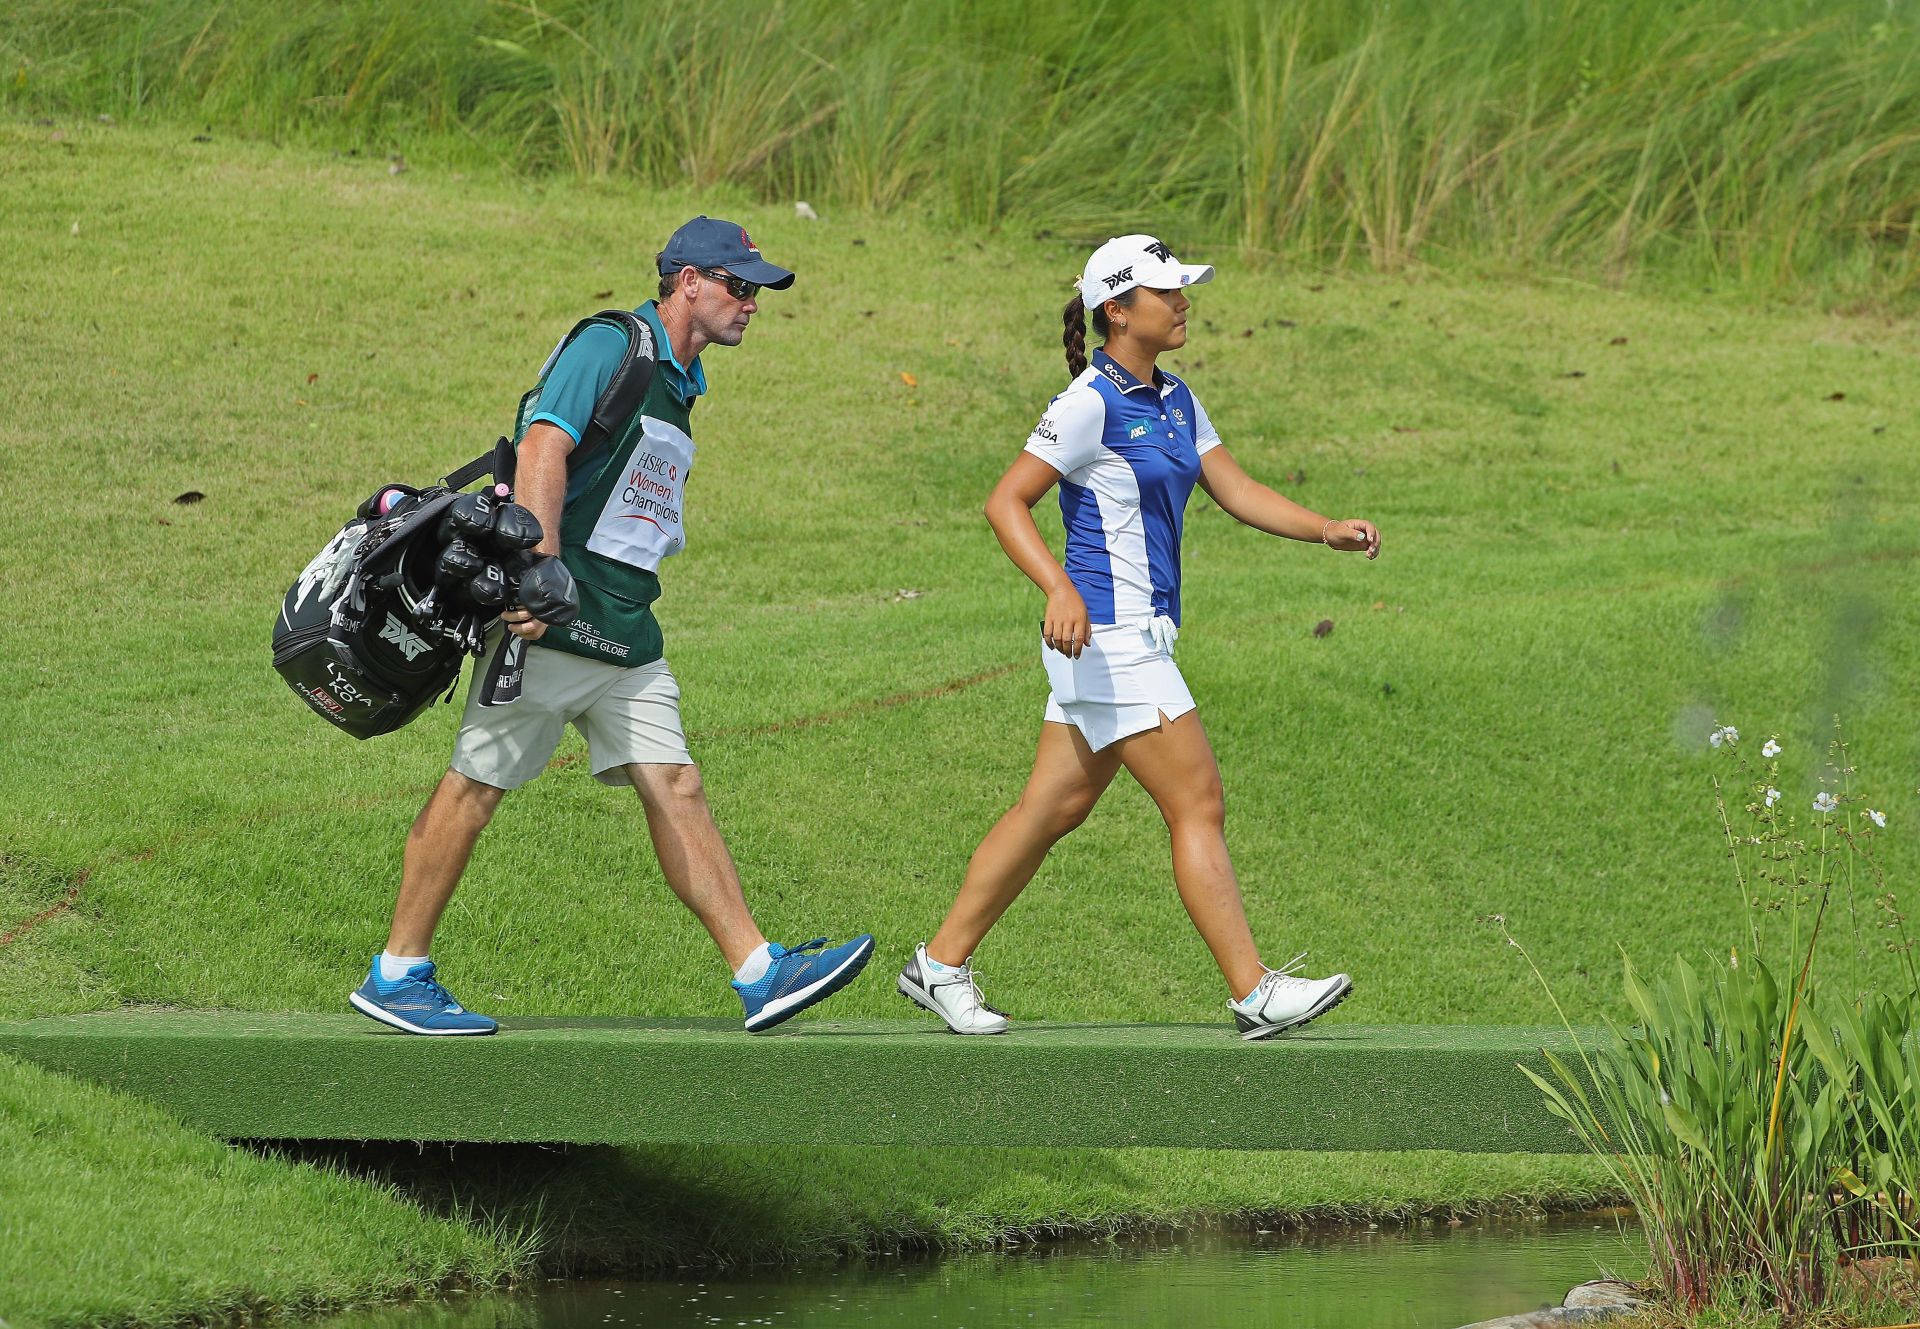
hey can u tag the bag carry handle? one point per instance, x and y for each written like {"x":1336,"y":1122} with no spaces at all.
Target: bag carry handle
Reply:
{"x":497,"y":461}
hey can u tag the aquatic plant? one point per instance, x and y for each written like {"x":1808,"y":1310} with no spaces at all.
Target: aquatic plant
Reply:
{"x":1763,"y":1125}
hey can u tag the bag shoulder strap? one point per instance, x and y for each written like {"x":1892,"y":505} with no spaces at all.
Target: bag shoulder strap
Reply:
{"x":623,"y":395}
{"x":627,"y":389}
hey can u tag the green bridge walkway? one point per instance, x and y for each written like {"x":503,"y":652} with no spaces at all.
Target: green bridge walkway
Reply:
{"x":629,"y":1081}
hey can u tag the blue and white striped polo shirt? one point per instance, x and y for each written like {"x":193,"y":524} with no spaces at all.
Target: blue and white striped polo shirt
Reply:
{"x":1128,"y":454}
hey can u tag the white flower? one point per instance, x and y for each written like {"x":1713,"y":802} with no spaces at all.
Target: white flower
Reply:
{"x":1879,"y":818}
{"x":1773,"y":795}
{"x":1724,"y":734}
{"x":1772,"y":749}
{"x":1825,"y":802}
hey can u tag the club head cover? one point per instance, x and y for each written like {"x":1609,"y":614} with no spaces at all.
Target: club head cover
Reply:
{"x":548,"y":593}
{"x":471,"y":516}
{"x":515,"y":528}
{"x":459,"y":562}
{"x":488,"y":587}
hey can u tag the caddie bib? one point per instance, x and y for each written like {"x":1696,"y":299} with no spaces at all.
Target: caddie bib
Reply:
{"x":640,"y":522}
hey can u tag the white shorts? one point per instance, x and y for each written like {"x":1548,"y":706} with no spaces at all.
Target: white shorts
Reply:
{"x":626,"y":714}
{"x":1121,"y":685}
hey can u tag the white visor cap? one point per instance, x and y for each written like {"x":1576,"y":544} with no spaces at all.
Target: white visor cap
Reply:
{"x":1136,"y":260}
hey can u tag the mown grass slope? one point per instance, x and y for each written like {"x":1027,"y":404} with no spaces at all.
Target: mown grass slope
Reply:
{"x":1611,"y":520}
{"x":1593,"y":551}
{"x":114,"y":1214}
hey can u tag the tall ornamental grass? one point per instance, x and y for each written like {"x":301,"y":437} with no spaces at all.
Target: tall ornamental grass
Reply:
{"x":1763,"y":143}
{"x":1761,"y":1114}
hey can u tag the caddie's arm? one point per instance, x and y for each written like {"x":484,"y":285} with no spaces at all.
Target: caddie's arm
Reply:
{"x":1246,"y":500}
{"x":540,"y":486}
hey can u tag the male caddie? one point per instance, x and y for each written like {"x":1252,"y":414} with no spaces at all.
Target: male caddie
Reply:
{"x":611,"y":509}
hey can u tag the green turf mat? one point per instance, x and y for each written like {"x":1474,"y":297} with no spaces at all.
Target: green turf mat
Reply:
{"x":634,"y":1081}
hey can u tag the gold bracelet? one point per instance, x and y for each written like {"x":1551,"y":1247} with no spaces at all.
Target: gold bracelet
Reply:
{"x":1326,"y":528}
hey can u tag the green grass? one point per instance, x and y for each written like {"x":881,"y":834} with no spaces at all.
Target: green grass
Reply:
{"x":1581,"y":575}
{"x":115,"y":1214}
{"x":1759,"y":143}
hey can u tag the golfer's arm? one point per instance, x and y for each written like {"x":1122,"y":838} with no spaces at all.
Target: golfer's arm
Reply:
{"x":1010,"y":513}
{"x":1247,"y":500}
{"x":540,"y":479}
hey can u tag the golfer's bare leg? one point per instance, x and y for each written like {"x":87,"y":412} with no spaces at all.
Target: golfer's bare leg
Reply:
{"x":438,"y":848}
{"x":1068,"y":779}
{"x":1175,"y":765}
{"x":694,"y":858}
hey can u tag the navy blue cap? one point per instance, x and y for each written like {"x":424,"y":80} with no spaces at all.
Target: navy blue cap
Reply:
{"x":708,"y":242}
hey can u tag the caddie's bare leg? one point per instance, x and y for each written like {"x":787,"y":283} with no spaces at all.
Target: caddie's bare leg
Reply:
{"x":694,"y":858}
{"x":438,"y":848}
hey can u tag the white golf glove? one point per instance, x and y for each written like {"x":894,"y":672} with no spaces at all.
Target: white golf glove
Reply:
{"x":1163,"y":631}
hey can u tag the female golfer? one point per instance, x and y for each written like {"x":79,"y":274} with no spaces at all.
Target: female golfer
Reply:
{"x":1126,"y":442}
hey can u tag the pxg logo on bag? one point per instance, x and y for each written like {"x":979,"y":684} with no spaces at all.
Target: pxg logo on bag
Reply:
{"x":410,"y":644}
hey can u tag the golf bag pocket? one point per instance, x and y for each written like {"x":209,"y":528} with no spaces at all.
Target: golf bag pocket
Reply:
{"x":327,"y":679}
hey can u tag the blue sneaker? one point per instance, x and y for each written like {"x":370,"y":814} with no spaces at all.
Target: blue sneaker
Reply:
{"x":799,"y":977}
{"x":416,"y":1004}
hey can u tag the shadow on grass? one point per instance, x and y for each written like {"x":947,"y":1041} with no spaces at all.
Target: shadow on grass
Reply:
{"x":603,"y":1210}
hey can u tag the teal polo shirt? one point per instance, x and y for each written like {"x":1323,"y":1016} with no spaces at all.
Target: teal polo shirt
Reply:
{"x":583,"y":370}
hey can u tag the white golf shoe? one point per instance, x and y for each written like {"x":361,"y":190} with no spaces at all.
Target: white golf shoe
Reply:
{"x":950,"y":994}
{"x":1281,"y":1001}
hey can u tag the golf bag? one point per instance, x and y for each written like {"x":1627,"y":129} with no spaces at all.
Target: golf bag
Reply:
{"x":383,"y":618}
{"x":370,"y":634}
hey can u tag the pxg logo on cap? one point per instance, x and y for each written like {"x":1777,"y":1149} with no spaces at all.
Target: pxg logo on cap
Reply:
{"x":1136,"y":260}
{"x":708,"y":242}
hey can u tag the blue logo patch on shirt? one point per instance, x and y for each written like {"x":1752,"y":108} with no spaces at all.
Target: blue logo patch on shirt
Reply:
{"x":1138,"y":431}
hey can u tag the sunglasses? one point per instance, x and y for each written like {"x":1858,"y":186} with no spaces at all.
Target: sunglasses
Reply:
{"x":738,"y":287}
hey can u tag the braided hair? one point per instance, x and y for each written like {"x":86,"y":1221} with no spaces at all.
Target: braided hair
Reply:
{"x":1074,"y":334}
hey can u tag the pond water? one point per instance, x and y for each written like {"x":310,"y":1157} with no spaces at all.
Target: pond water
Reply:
{"x":1423,"y":1277}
